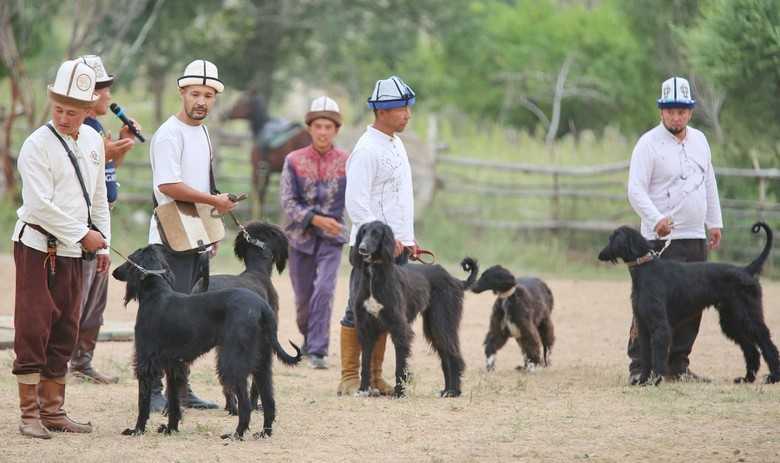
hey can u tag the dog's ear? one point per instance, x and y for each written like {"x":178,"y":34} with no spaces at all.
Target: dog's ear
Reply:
{"x":279,"y":248}
{"x":387,"y":245}
{"x":354,"y":256}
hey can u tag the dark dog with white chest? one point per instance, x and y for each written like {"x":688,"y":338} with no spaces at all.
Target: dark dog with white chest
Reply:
{"x":173,"y":329}
{"x":665,"y":292}
{"x":522,"y":311}
{"x":388,"y":297}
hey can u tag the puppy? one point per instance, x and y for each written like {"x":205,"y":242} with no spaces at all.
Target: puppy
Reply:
{"x":522,"y":311}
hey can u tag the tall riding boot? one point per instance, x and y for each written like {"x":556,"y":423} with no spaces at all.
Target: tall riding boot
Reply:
{"x":377,"y":357}
{"x":81,"y":361}
{"x":188,"y":399}
{"x":51,"y":395}
{"x":28,"y":402}
{"x":350,"y":361}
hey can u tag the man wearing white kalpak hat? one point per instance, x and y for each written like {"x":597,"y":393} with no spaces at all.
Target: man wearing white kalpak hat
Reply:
{"x":672,"y":187}
{"x":312,"y":195}
{"x":180,"y":153}
{"x":63,"y":218}
{"x":379,"y":187}
{"x":95,"y":290}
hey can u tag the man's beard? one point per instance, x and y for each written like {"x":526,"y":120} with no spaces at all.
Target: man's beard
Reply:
{"x":674,"y":131}
{"x":197,"y":116}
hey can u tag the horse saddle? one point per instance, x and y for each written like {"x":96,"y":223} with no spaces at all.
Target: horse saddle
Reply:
{"x":188,"y":227}
{"x":276,"y":132}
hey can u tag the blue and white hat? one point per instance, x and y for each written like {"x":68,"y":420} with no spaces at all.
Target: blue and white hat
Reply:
{"x":676,"y":93}
{"x":391,"y":93}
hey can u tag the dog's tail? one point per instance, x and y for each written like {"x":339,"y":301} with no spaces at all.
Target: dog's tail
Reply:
{"x":469,"y":264}
{"x":754,"y":268}
{"x":269,"y":323}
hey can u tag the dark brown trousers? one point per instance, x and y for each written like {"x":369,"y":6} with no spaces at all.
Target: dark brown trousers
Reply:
{"x":46,"y":321}
{"x":683,"y":334}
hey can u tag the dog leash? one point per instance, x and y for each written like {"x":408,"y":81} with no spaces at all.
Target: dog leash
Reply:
{"x":417,"y":253}
{"x":249,"y":238}
{"x":145,"y":271}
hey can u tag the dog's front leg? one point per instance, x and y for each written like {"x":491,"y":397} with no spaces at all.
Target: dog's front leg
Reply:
{"x":367,"y":336}
{"x":144,"y":399}
{"x":174,"y":379}
{"x":401,"y":335}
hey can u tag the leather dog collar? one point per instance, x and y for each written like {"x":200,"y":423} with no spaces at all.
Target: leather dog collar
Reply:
{"x":642,"y":260}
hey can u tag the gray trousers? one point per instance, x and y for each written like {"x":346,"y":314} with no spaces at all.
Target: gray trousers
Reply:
{"x":94,"y":295}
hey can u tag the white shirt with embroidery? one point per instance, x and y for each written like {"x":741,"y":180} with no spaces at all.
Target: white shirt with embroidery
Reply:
{"x":669,"y":178}
{"x":379,"y":185}
{"x":179,"y":153}
{"x":51,"y":193}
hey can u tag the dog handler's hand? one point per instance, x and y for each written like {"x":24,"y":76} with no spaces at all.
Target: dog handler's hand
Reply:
{"x":663,"y":227}
{"x":222,"y":203}
{"x":714,"y":235}
{"x":329,"y":225}
{"x":92,"y":241}
{"x":103,"y":262}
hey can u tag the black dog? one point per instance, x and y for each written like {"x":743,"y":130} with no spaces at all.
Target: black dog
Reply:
{"x":173,"y":329}
{"x":521,"y":311}
{"x":261,"y":247}
{"x":664,"y":292}
{"x":388,"y":297}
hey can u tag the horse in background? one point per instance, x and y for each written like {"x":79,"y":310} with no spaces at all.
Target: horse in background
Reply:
{"x":272,"y":140}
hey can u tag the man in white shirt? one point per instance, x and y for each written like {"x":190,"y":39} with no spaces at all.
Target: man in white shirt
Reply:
{"x":379,"y":187}
{"x":672,"y":187}
{"x":60,"y":221}
{"x":181,"y":154}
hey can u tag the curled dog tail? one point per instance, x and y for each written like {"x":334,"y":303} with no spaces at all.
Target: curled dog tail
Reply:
{"x":268,"y":322}
{"x":469,"y":264}
{"x":754,"y":268}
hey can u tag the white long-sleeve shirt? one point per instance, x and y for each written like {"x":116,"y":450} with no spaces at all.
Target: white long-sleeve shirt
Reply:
{"x":379,"y":185}
{"x":669,"y":178}
{"x":51,"y":194}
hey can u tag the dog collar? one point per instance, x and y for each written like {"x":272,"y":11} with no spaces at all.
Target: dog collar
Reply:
{"x":507,"y":293}
{"x":642,"y":260}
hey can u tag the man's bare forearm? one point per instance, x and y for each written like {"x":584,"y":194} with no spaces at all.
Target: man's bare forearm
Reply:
{"x":183,"y":192}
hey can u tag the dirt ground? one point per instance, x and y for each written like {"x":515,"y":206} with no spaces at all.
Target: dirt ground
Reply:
{"x":578,"y":409}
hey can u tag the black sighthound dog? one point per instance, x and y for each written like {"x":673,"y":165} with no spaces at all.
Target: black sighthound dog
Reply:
{"x":664,"y":292}
{"x":522,"y":310}
{"x":264,"y":248}
{"x":173,"y":329}
{"x":388,"y":297}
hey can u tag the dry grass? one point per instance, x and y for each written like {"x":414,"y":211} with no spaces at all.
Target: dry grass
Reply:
{"x":579,"y":409}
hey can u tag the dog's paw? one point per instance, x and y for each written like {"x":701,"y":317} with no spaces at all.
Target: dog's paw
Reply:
{"x":772,"y":379}
{"x":164,"y":429}
{"x":490,"y":363}
{"x":399,"y":392}
{"x":133,"y":432}
{"x":266,"y":432}
{"x":449,"y":393}
{"x":232,"y":436}
{"x":363,"y":393}
{"x":745,"y":379}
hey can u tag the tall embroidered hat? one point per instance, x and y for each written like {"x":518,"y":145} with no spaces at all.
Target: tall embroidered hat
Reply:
{"x":103,"y":78}
{"x":324,"y":108}
{"x":676,"y":93}
{"x":391,"y":93}
{"x":201,"y":72}
{"x":74,"y":84}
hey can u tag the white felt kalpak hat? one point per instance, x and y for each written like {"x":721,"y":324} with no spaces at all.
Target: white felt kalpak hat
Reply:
{"x":74,"y":84}
{"x":201,"y":72}
{"x":324,"y":108}
{"x":391,"y":93}
{"x":676,"y":93}
{"x":103,"y":78}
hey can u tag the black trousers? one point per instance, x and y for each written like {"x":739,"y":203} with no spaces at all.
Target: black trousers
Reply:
{"x":684,"y":333}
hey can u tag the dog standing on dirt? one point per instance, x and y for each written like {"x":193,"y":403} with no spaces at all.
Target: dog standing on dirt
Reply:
{"x":523,"y":311}
{"x":664,"y":292}
{"x":388,"y":297}
{"x":173,"y":329}
{"x":261,"y":247}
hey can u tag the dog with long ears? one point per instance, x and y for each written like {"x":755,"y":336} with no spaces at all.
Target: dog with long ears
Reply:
{"x":522,"y":311}
{"x":260,"y":246}
{"x":388,"y":297}
{"x":665,"y":292}
{"x":173,"y":329}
